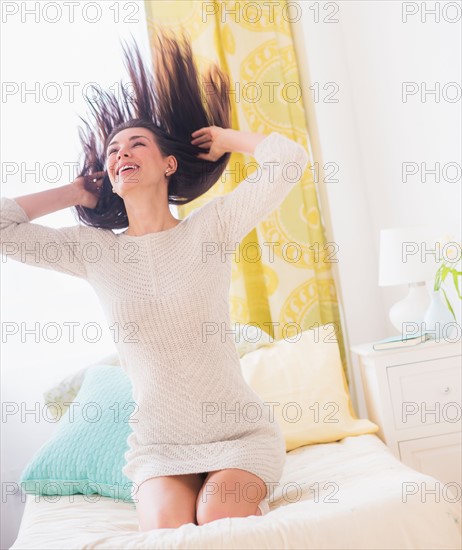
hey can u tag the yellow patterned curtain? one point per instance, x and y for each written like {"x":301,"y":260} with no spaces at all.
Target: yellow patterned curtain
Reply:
{"x":288,"y":286}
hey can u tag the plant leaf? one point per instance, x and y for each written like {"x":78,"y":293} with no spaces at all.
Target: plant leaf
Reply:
{"x":449,"y":305}
{"x":437,"y":284}
{"x":445,"y":271}
{"x":455,"y":277}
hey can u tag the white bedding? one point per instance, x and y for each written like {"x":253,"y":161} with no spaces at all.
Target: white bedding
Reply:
{"x":358,"y":472}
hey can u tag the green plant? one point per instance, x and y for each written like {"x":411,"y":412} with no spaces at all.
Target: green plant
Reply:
{"x":446,"y":268}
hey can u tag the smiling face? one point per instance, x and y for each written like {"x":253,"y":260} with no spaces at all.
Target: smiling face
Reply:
{"x":134,"y":160}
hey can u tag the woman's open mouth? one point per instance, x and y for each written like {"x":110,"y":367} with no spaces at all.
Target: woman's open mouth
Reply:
{"x":127,"y":169}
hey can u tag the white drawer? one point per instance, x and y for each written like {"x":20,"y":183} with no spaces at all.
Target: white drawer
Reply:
{"x":426,"y":393}
{"x":439,"y":456}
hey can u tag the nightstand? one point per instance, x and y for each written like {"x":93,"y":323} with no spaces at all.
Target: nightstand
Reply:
{"x":414,"y":396}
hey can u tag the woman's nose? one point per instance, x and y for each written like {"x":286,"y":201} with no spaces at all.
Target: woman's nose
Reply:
{"x":121,"y":154}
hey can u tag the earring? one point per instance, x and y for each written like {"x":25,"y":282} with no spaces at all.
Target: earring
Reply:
{"x":166,"y":172}
{"x":113,"y":190}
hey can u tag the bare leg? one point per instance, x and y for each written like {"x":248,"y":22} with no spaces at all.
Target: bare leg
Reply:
{"x":229,"y":493}
{"x":168,"y":501}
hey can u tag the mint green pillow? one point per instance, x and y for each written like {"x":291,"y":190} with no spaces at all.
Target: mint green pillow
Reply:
{"x":86,"y":453}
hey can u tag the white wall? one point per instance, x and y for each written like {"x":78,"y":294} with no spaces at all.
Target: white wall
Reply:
{"x":35,"y":54}
{"x":370,"y":132}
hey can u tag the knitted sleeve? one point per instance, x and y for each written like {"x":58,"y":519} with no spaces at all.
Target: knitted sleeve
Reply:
{"x":282,"y":162}
{"x":33,"y":244}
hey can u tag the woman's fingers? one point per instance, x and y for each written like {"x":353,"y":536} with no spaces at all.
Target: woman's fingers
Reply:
{"x":93,"y":178}
{"x":96,"y":175}
{"x":201,"y":141}
{"x":205,"y":156}
{"x":200,"y":132}
{"x":205,"y":139}
{"x":94,"y":182}
{"x":202,"y":135}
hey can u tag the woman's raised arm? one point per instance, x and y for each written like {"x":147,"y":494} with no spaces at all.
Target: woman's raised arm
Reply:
{"x":281,"y":161}
{"x":51,"y":200}
{"x":59,"y":249}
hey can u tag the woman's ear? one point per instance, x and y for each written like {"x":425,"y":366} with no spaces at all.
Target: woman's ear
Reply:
{"x":172,"y":165}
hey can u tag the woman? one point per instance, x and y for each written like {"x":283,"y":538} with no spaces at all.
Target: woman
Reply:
{"x":203,"y":445}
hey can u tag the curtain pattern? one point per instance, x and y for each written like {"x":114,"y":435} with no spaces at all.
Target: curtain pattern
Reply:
{"x":286,"y":286}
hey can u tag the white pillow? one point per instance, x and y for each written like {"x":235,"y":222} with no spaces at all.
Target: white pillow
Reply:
{"x":250,"y":337}
{"x":306,"y":379}
{"x":67,"y":390}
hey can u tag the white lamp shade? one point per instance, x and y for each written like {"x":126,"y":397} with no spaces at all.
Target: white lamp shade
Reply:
{"x":409,"y":255}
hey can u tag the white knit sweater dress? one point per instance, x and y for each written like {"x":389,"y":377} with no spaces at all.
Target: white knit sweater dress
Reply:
{"x":166,"y":292}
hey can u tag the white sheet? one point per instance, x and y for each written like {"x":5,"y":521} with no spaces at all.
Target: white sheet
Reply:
{"x":364,"y":477}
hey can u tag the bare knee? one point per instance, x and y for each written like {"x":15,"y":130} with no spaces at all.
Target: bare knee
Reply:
{"x":214,"y":499}
{"x":167,"y":502}
{"x":206,"y":514}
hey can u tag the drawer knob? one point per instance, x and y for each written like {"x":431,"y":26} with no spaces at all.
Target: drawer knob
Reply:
{"x":446,"y":389}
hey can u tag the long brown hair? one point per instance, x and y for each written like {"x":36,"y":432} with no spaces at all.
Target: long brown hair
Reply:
{"x":172,"y":103}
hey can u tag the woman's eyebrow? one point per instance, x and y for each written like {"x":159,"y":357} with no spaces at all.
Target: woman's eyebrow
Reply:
{"x":130,"y":139}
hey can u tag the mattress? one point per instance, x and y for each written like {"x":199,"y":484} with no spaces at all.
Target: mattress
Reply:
{"x":348,"y":494}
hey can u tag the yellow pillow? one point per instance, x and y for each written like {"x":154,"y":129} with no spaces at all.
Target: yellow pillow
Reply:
{"x":305,"y":378}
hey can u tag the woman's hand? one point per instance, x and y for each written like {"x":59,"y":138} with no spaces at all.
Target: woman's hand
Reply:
{"x":211,"y":139}
{"x":88,"y":190}
{"x":222,"y":140}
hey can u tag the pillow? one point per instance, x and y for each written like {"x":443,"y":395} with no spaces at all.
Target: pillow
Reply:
{"x":304,"y":376}
{"x":86,"y":453}
{"x":60,"y":396}
{"x":63,"y":393}
{"x":247,"y":338}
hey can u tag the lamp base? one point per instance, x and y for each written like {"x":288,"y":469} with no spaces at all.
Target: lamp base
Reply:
{"x":408,"y":314}
{"x":438,"y":319}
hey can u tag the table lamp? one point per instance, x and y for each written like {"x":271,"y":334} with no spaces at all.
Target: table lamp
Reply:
{"x":409,"y":256}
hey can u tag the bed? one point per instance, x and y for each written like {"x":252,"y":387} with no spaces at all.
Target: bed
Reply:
{"x":351,"y":493}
